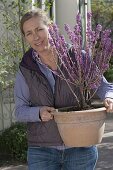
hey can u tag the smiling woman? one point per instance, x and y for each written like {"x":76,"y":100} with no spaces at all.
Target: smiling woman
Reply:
{"x":38,"y":92}
{"x":35,"y":31}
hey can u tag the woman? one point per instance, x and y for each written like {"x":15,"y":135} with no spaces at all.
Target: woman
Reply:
{"x":38,"y":92}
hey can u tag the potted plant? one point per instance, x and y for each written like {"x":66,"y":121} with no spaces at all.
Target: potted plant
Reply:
{"x":85,"y":70}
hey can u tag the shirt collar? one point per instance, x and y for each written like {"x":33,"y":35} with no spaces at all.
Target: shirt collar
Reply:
{"x":36,"y":57}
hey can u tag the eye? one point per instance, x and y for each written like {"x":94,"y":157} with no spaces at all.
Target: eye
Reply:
{"x":39,"y":29}
{"x":28,"y":34}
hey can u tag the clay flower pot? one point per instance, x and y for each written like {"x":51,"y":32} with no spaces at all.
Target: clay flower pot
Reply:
{"x":81,"y":128}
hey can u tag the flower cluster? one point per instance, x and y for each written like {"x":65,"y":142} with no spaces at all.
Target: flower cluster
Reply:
{"x":86,"y":68}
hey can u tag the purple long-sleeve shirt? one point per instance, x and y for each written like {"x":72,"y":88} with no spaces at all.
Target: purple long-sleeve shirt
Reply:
{"x":25,"y":113}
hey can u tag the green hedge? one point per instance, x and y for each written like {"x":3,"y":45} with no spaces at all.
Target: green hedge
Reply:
{"x":13,"y":143}
{"x":109,"y":74}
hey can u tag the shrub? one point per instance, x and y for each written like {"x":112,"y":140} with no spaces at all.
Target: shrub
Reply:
{"x":13,"y":143}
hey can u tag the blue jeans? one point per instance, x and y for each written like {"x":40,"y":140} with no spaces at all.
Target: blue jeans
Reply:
{"x":42,"y":158}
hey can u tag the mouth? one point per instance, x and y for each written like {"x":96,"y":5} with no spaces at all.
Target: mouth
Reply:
{"x":38,"y":44}
{"x":41,"y":44}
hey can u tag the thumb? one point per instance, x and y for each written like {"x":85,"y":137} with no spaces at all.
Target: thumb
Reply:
{"x":50,"y":109}
{"x":106,"y":103}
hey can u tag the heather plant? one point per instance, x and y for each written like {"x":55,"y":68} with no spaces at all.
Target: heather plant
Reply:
{"x":85,"y":69}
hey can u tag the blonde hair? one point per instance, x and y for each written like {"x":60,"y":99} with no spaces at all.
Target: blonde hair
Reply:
{"x":37,"y":12}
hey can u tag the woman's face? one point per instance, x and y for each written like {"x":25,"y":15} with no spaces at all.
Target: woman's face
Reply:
{"x":36,"y":34}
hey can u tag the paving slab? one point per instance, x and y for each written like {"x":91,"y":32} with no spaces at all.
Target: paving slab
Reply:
{"x":18,"y":167}
{"x":105,"y":161}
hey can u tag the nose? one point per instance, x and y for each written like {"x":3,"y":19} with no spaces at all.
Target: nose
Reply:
{"x":35,"y":36}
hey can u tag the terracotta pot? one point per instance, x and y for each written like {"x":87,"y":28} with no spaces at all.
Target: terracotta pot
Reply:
{"x":81,"y":128}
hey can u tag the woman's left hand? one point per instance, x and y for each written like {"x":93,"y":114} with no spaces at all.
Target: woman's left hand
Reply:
{"x":108,"y":102}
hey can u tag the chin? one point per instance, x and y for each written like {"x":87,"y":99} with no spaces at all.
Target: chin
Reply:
{"x":40,"y":50}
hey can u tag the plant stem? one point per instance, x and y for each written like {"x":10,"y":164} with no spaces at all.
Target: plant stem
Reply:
{"x":67,"y":82}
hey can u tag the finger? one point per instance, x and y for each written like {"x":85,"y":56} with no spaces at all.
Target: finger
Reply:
{"x":47,"y":116}
{"x":46,"y":119}
{"x":110,"y":108}
{"x":50,"y":109}
{"x":106,"y":103}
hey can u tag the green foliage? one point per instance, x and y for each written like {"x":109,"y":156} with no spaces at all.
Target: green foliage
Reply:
{"x":102,"y":12}
{"x":13,"y":143}
{"x":48,"y":4}
{"x":7,"y":71}
{"x":12,"y":45}
{"x":109,"y":74}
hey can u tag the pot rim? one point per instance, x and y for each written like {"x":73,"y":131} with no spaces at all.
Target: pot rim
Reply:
{"x":55,"y":112}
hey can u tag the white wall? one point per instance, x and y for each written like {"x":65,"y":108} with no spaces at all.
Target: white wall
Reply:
{"x":66,"y":11}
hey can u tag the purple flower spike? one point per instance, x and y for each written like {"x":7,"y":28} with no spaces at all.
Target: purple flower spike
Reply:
{"x":83,"y":67}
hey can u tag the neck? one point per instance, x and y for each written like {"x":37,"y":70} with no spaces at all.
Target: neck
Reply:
{"x":49,"y":58}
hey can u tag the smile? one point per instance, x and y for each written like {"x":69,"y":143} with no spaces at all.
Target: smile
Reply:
{"x":37,"y":44}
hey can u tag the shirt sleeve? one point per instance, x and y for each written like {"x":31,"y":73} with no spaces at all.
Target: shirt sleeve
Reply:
{"x":24,"y":112}
{"x":105,"y":89}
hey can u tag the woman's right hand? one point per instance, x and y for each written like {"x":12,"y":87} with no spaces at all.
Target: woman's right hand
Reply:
{"x":45,"y":113}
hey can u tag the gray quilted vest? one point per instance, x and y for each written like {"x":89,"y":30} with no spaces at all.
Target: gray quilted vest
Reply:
{"x":41,"y":94}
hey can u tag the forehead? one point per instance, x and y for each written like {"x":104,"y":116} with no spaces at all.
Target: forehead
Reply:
{"x":33,"y":22}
